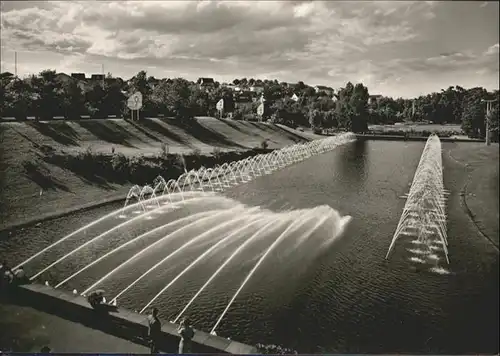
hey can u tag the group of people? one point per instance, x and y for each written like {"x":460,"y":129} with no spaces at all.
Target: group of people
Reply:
{"x":96,"y":299}
{"x":8,"y":277}
{"x":185,"y":331}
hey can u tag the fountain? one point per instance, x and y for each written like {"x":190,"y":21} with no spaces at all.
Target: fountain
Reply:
{"x":230,"y":174}
{"x":424,"y":217}
{"x":209,"y":220}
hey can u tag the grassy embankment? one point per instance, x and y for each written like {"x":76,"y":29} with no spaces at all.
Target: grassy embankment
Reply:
{"x":34,"y":182}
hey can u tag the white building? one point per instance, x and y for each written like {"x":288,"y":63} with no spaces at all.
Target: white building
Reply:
{"x":327,"y":90}
{"x":257,"y":89}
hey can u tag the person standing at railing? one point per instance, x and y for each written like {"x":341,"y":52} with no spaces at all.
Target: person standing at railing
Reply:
{"x":187,"y":333}
{"x":154,"y":331}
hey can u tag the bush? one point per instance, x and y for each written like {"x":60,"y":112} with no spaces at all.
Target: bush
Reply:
{"x":217,"y":153}
{"x":139,"y":169}
{"x":196,"y":152}
{"x":120,"y":165}
{"x":165,"y":149}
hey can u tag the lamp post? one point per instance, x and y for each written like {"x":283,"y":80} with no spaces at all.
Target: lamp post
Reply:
{"x":488,"y":109}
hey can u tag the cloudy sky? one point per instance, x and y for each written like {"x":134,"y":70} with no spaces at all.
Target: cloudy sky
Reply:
{"x":396,"y":48}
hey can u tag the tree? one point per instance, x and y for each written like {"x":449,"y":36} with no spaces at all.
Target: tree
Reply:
{"x":19,"y":98}
{"x":315,"y":119}
{"x":493,"y":123}
{"x":178,"y":98}
{"x":73,"y":100}
{"x":49,"y":95}
{"x":474,"y":111}
{"x":114,"y":99}
{"x":94,"y":95}
{"x":330,"y":120}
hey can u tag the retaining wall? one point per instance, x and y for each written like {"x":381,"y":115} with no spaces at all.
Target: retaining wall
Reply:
{"x":120,"y":322}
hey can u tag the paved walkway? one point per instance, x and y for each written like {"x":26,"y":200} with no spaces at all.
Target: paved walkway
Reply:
{"x":24,"y":329}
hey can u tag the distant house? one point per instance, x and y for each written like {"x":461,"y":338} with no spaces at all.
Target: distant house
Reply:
{"x":231,"y":87}
{"x":154,"y":82}
{"x":244,"y":97}
{"x":63,"y":78}
{"x":97,"y":77}
{"x":78,"y":76}
{"x":6,"y":75}
{"x":257,"y":89}
{"x":206,"y":83}
{"x":324,"y":89}
{"x":374,"y":98}
{"x":295,"y":97}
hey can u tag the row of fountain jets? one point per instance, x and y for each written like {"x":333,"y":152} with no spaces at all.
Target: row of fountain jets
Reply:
{"x":424,"y":214}
{"x":227,"y":175}
{"x":201,"y":180}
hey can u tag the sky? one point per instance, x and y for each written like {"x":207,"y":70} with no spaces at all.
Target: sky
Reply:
{"x":395,"y":48}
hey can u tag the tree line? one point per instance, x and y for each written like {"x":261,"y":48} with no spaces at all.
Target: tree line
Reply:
{"x":45,"y":96}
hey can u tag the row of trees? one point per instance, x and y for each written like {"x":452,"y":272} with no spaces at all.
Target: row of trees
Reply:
{"x":48,"y":94}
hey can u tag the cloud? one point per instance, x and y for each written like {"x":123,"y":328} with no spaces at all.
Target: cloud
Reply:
{"x":492,"y":50}
{"x":321,"y":42}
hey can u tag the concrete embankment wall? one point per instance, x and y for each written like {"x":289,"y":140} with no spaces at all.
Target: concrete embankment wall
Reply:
{"x":121,"y":322}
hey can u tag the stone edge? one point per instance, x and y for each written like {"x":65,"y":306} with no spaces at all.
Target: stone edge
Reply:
{"x":216,"y":343}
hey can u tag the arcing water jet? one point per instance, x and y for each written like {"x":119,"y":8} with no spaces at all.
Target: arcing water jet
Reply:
{"x":292,"y":227}
{"x":234,"y":233}
{"x":142,"y":236}
{"x":183,"y":229}
{"x":180,"y":249}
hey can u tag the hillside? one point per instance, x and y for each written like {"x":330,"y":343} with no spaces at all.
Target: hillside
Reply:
{"x":29,"y":187}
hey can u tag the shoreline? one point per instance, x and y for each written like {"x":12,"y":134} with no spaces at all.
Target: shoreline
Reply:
{"x":411,"y":138}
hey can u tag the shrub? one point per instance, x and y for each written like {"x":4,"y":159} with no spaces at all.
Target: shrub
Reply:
{"x":165,"y":149}
{"x":139,"y":169}
{"x":120,"y":165}
{"x":217,"y":153}
{"x":196,"y":152}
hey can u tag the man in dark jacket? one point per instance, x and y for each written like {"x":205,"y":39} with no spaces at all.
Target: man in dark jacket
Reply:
{"x":154,"y":330}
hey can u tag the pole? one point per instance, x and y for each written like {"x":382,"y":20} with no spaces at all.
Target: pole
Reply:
{"x":15,"y":64}
{"x":487,"y":124}
{"x":488,"y":109}
{"x":102,"y":70}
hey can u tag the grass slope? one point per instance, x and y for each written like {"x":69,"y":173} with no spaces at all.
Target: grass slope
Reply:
{"x":31,"y":188}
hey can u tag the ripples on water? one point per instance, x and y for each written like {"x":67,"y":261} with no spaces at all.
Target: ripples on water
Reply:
{"x":313,"y":292}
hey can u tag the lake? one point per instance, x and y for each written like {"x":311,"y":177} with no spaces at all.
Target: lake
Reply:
{"x":315,"y":292}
